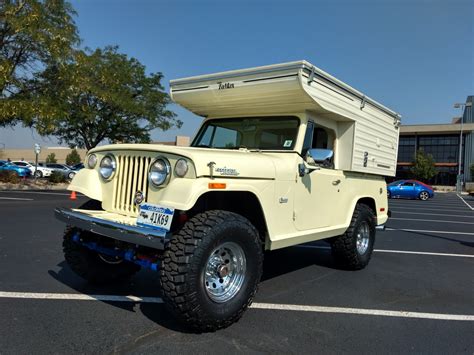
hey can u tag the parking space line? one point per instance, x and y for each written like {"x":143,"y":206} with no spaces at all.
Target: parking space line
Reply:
{"x":267,"y":306}
{"x":363,"y":311}
{"x":467,"y":204}
{"x":433,"y":214}
{"x":37,"y":192}
{"x":431,"y":209}
{"x":394,"y":251}
{"x":427,"y":231}
{"x":430,"y":220}
{"x":79,"y":297}
{"x":423,"y":253}
{"x":16,"y":198}
{"x":427,"y":204}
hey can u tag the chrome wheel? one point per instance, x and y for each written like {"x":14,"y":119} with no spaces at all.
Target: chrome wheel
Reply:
{"x":363,"y":235}
{"x":224,"y":272}
{"x":424,"y":196}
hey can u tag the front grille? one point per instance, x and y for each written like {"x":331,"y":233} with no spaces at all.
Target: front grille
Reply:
{"x":132,"y":176}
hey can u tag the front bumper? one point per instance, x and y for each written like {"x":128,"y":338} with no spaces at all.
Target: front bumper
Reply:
{"x":120,"y":231}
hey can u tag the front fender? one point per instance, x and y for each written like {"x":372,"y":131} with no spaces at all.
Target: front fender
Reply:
{"x":87,"y":182}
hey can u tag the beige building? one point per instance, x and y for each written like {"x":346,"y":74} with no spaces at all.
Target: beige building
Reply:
{"x":62,"y":152}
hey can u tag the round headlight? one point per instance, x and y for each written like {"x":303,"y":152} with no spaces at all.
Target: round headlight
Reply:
{"x":92,"y":161}
{"x":107,"y":167}
{"x":159,"y":172}
{"x":181,"y":167}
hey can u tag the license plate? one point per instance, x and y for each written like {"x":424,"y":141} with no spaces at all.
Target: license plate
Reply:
{"x":155,"y":216}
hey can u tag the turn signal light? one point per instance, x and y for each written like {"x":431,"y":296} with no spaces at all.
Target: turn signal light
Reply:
{"x":217,"y":185}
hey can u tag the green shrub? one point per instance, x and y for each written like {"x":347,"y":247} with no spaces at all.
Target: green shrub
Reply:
{"x":9,"y":176}
{"x":73,"y":158}
{"x":51,"y":158}
{"x":57,"y":177}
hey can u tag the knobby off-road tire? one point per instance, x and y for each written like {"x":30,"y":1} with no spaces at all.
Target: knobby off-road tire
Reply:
{"x":208,"y":242}
{"x":353,"y":249}
{"x":93,"y":267}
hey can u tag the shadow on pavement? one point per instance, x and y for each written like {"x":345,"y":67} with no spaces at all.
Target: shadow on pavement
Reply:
{"x":146,"y":283}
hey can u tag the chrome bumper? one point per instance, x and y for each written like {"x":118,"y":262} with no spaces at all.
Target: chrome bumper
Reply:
{"x":123,"y":232}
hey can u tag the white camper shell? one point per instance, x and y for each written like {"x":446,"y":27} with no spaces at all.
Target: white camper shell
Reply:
{"x":366,"y":131}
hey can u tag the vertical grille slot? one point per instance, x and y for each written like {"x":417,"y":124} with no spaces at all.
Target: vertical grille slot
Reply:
{"x":132,"y":176}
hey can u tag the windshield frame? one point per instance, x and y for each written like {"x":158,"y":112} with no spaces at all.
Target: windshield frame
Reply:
{"x":206,"y":123}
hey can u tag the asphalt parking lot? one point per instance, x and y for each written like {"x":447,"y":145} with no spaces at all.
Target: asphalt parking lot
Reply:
{"x":416,"y":296}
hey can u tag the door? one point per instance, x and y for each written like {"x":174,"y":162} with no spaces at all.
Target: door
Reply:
{"x":317,"y":201}
{"x":407,"y":189}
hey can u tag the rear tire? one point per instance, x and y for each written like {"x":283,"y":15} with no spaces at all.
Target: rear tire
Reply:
{"x":90,"y":265}
{"x":354,"y":248}
{"x":71,"y":175}
{"x":38,"y":174}
{"x":423,"y":196}
{"x":211,"y":269}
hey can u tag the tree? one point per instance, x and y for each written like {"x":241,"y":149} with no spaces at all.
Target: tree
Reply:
{"x":103,"y":95}
{"x":424,"y":166}
{"x":51,"y":158}
{"x":73,"y":158}
{"x":33,"y":34}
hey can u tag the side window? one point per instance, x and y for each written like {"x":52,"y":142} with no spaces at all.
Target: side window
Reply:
{"x":320,"y":138}
{"x":410,"y":184}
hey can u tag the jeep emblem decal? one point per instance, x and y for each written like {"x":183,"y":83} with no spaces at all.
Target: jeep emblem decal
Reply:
{"x":139,"y":197}
{"x":227,"y":171}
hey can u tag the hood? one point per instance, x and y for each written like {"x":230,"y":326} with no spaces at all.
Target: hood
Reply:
{"x":226,"y":162}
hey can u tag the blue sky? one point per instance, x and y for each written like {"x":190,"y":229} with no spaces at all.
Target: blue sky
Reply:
{"x":414,"y":56}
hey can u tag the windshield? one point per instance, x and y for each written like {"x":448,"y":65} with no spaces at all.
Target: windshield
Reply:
{"x":263,"y":133}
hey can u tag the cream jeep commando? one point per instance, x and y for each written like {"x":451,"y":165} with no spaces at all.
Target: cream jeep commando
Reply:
{"x":287,"y":154}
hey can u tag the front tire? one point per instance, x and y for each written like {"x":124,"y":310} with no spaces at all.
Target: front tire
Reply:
{"x":354,"y":248}
{"x":92,"y":266}
{"x":211,"y":269}
{"x":71,"y":175}
{"x":423,"y":196}
{"x":38,"y":174}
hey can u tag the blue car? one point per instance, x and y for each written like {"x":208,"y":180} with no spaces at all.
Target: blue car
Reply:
{"x":409,"y":189}
{"x":21,"y":171}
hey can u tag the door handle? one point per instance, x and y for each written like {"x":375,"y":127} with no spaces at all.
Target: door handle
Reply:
{"x":336,"y":182}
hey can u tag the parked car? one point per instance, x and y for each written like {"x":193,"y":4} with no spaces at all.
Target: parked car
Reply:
{"x":77,"y":167}
{"x":64,"y":169}
{"x":409,"y":189}
{"x":21,"y":171}
{"x":41,"y":171}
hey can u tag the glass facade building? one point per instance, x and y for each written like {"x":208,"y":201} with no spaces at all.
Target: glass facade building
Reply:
{"x":444,"y":149}
{"x":442,"y":142}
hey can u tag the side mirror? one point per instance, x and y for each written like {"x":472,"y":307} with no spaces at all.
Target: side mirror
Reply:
{"x":320,"y":157}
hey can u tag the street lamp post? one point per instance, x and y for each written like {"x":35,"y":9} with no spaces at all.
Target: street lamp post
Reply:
{"x":459,"y":177}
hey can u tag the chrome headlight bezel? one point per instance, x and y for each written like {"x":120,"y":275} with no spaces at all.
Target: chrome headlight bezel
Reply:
{"x":91,"y":161}
{"x":166,"y":173}
{"x":181,"y":168}
{"x":112,"y":167}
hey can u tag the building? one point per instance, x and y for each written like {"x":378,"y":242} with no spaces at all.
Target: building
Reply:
{"x":62,"y":152}
{"x":442,"y":142}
